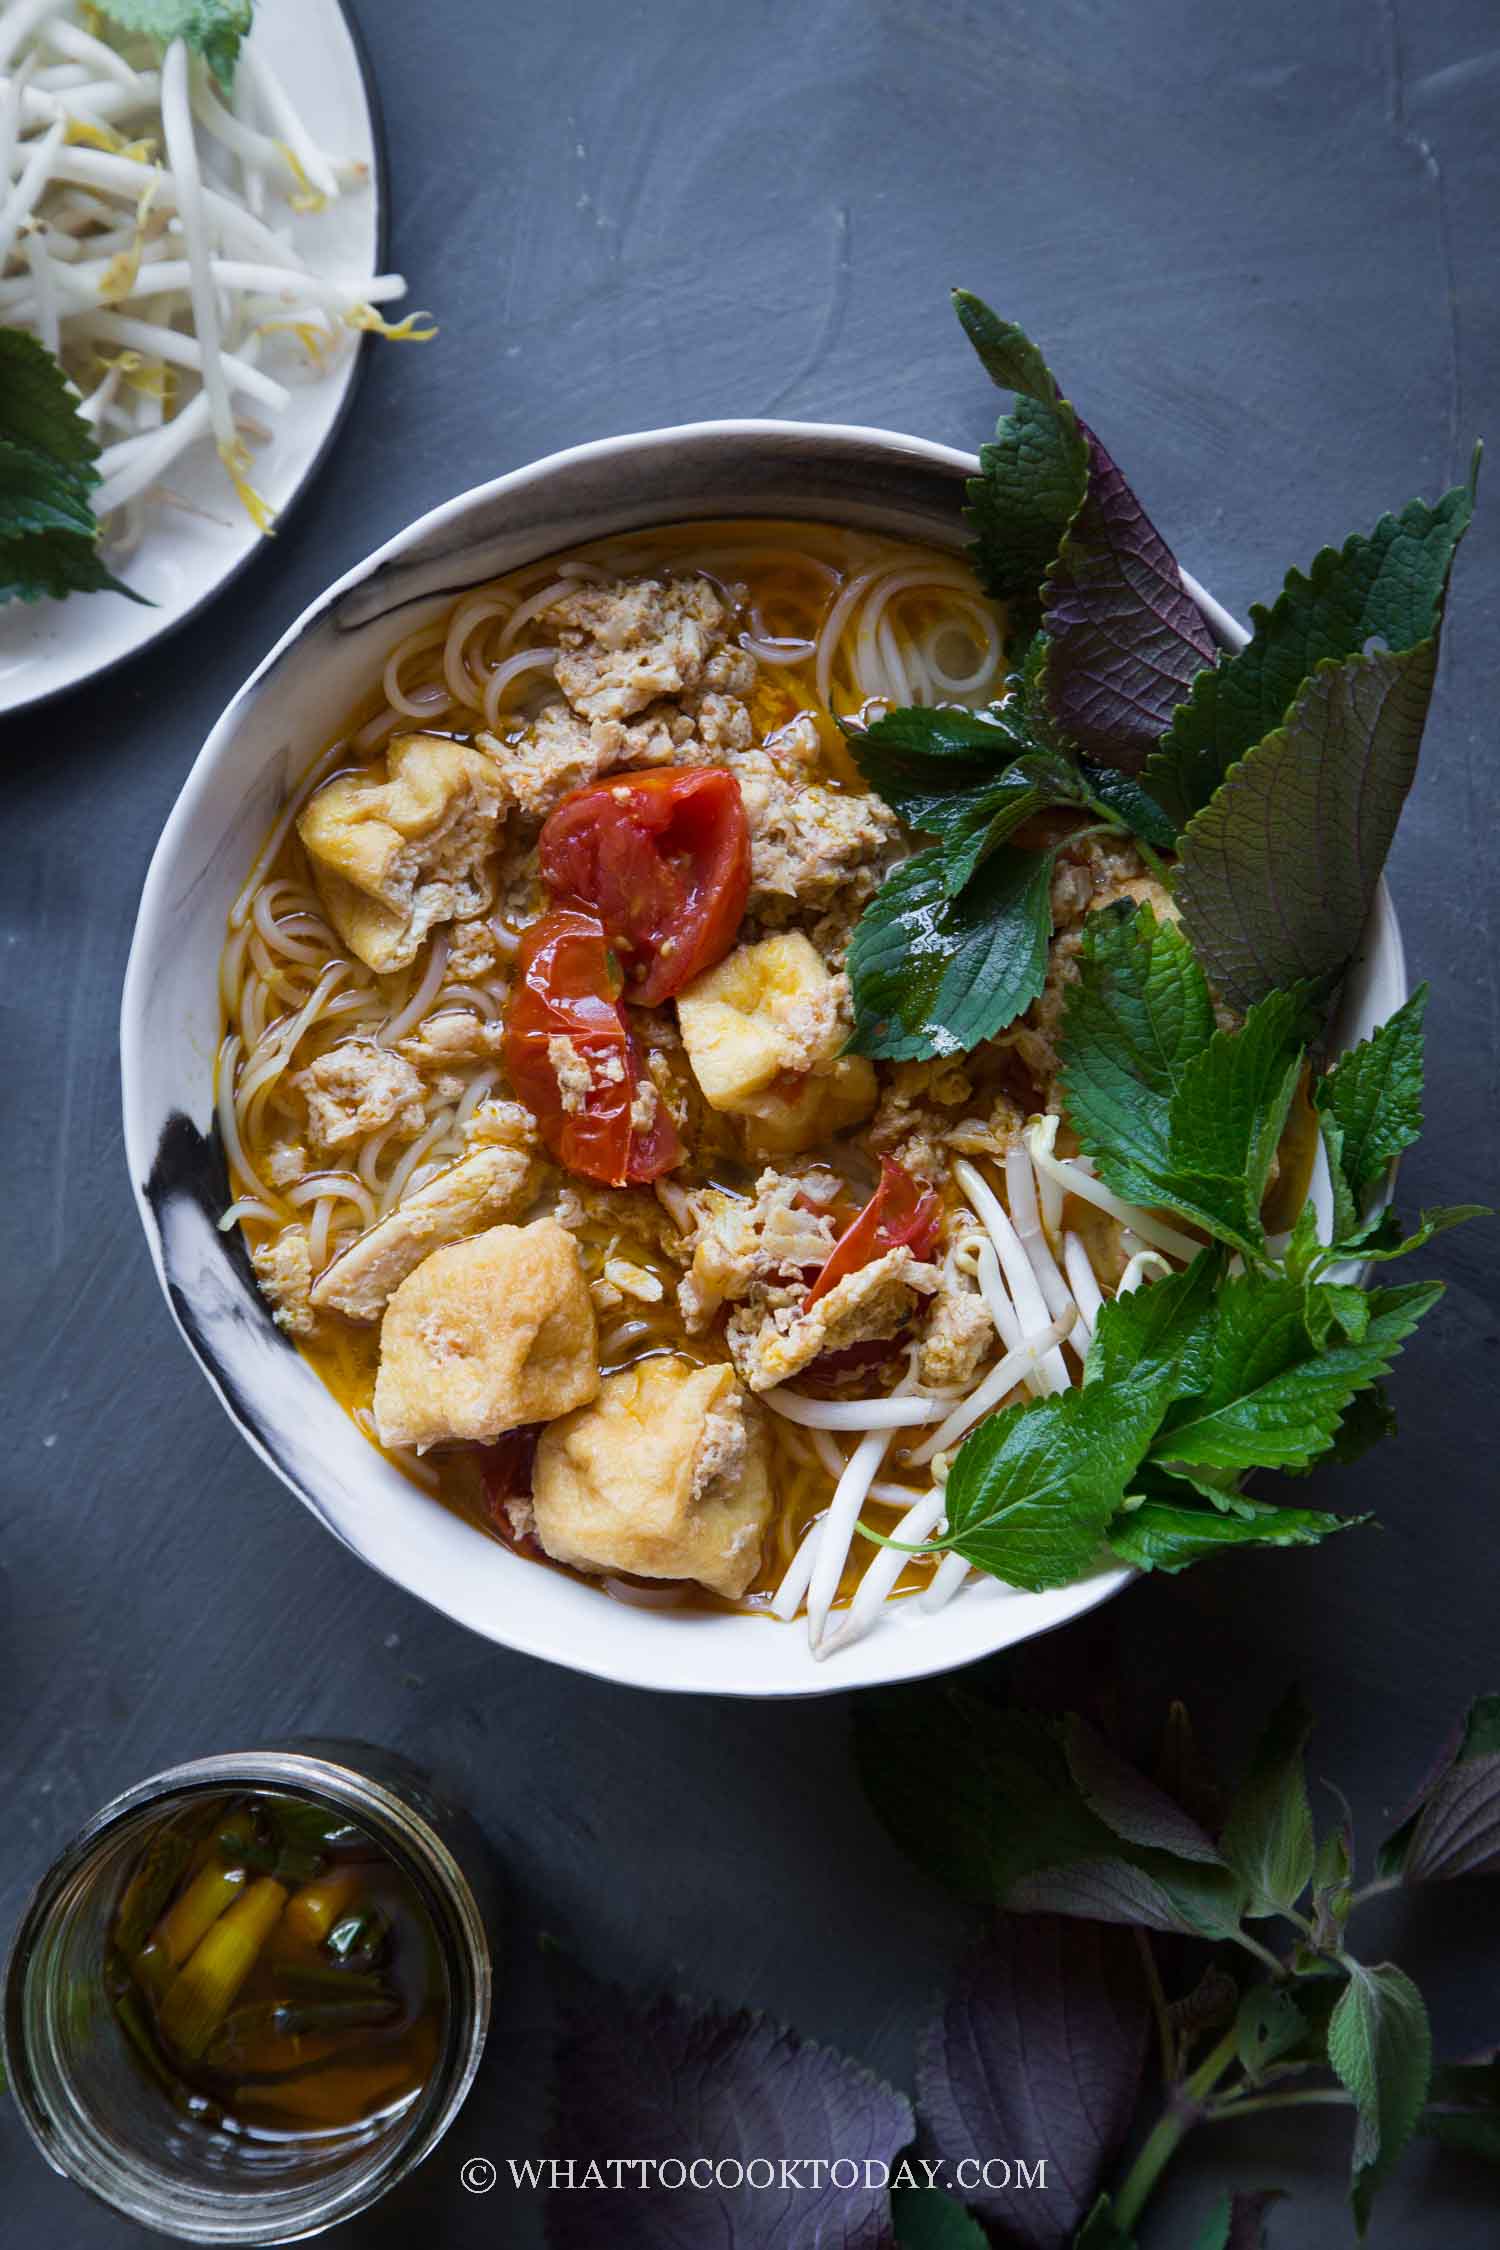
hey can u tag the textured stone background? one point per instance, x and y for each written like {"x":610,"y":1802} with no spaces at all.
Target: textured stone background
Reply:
{"x":1260,"y":244}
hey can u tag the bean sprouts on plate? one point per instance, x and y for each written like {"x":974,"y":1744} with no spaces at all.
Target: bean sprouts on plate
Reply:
{"x":159,"y":236}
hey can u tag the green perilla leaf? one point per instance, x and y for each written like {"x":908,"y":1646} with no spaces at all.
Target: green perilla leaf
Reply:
{"x":1387,"y":586}
{"x":1268,"y":1837}
{"x":1380,"y":2047}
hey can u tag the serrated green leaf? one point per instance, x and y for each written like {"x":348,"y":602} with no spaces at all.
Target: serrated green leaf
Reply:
{"x":1278,"y":872}
{"x":1387,"y":587}
{"x":1173,"y":1110}
{"x":214,"y":28}
{"x":1268,"y":1837}
{"x":971,"y":837}
{"x":1380,"y":2047}
{"x":1268,"y":2025}
{"x":1129,"y":802}
{"x":1382,"y":1240}
{"x":48,"y":534}
{"x":1032,"y":476}
{"x":934,"y":975}
{"x":931,"y":766}
{"x":1227,"y":1115}
{"x":1031,"y":1491}
{"x":1154,"y":1334}
{"x":1271,"y":1399}
{"x":1006,"y":353}
{"x":1135,"y":1017}
{"x":1335,"y":1306}
{"x":1158,"y":1536}
{"x":1374,"y":1093}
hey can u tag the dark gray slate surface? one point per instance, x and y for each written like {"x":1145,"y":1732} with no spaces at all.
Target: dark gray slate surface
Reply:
{"x":1260,"y":242}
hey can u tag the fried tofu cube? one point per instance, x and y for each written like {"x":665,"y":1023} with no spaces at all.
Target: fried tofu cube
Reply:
{"x":404,"y":844}
{"x":490,"y":1185}
{"x":763,"y":1031}
{"x":485,"y":1335}
{"x":666,"y":1475}
{"x":799,"y":1113}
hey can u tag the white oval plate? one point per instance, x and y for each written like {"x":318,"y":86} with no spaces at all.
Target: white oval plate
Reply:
{"x":170,"y":1027}
{"x":186,"y":558}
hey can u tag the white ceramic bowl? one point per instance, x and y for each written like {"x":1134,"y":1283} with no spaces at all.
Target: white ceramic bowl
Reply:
{"x":289,"y":707}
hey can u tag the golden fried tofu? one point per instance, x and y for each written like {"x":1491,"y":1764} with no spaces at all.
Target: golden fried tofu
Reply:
{"x":763,"y":1031}
{"x":403,"y":844}
{"x":481,"y":1189}
{"x":666,"y":1475}
{"x":485,"y":1335}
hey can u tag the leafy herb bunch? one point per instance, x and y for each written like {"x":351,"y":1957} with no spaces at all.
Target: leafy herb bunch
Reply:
{"x":1133,"y":1914}
{"x":1043,"y":2039}
{"x":1264,"y":790}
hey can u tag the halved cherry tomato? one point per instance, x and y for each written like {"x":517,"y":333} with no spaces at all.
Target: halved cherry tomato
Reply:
{"x":901,"y":1211}
{"x":663,"y":858}
{"x":567,"y":988}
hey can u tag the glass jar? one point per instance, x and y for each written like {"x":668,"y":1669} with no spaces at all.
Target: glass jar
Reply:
{"x":95,"y":2112}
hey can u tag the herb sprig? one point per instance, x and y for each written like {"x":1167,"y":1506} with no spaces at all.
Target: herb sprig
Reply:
{"x":1277,"y":775}
{"x":1066,"y":2018}
{"x":1044,"y":1819}
{"x":1262,"y":1353}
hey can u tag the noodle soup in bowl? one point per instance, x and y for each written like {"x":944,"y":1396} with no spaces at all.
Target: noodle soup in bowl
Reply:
{"x":501,"y":1231}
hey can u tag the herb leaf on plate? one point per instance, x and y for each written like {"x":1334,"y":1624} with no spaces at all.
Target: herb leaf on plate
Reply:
{"x":49,"y":538}
{"x":213,"y":28}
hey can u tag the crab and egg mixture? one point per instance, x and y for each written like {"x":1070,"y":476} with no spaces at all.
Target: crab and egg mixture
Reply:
{"x":547,"y":1137}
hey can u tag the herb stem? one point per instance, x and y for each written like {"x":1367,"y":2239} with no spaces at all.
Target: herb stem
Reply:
{"x":1183,"y":2110}
{"x":1120,"y":827}
{"x":1309,"y":2097}
{"x":1159,"y":2009}
{"x":1203,"y":2080}
{"x":1156,"y":2154}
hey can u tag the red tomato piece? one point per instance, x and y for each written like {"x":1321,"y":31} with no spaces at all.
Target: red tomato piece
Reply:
{"x":901,"y":1211}
{"x":663,"y":858}
{"x":567,"y":988}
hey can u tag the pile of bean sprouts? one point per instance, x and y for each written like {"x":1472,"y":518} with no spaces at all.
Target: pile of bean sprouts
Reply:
{"x":149,"y":239}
